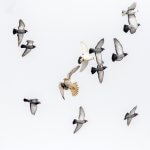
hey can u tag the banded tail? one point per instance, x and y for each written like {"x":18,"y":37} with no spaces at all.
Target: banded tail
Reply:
{"x":23,"y":46}
{"x":114,"y":57}
{"x":15,"y":31}
{"x":93,"y":70}
{"x":74,"y":89}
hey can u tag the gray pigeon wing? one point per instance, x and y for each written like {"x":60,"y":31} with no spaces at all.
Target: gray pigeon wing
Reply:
{"x":99,"y":59}
{"x":72,"y":71}
{"x":129,"y":121}
{"x":81,"y":114}
{"x":118,"y":47}
{"x":100,"y":44}
{"x":77,"y":127}
{"x":61,"y":91}
{"x":33,"y":108}
{"x":132,"y":7}
{"x":20,"y":37}
{"x":26,"y":52}
{"x":84,"y":65}
{"x":21,"y":25}
{"x":100,"y":76}
{"x":29,"y":42}
{"x":133,"y":110}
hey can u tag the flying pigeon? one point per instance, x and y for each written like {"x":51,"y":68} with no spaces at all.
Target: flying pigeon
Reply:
{"x":119,"y":51}
{"x":130,"y":115}
{"x":20,"y":31}
{"x":98,"y":48}
{"x":67,"y":84}
{"x":133,"y":25}
{"x":28,"y":47}
{"x":81,"y":120}
{"x":100,"y":68}
{"x":33,"y":105}
{"x":85,"y":58}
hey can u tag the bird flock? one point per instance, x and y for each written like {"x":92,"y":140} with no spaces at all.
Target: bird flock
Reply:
{"x":84,"y":59}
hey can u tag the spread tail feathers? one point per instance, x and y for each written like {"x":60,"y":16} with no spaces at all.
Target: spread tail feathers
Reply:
{"x":74,"y":121}
{"x":74,"y":88}
{"x":14,"y":31}
{"x":126,"y":28}
{"x":93,"y":70}
{"x":114,"y":57}
{"x":91,"y":50}
{"x":23,"y":46}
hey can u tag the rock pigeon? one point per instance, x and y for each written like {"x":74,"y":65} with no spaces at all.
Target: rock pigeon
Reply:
{"x":28,"y":47}
{"x":130,"y":115}
{"x":33,"y":105}
{"x":98,"y":47}
{"x":20,"y":31}
{"x":85,"y":58}
{"x":100,"y":68}
{"x":67,"y":84}
{"x":119,"y":51}
{"x":133,"y":25}
{"x":81,"y":120}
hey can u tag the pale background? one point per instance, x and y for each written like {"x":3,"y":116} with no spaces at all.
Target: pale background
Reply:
{"x":57,"y":27}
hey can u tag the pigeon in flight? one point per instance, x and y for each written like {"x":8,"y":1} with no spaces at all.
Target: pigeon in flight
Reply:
{"x":119,"y":51}
{"x":130,"y":115}
{"x":98,"y":48}
{"x":67,"y":84}
{"x":100,"y":68}
{"x":33,"y":105}
{"x":85,"y":58}
{"x":28,"y":47}
{"x":20,"y":31}
{"x":81,"y":120}
{"x":133,"y":25}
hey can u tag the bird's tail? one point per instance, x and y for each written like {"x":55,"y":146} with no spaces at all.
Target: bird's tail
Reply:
{"x":126,"y":28}
{"x":114,"y":57}
{"x":126,"y":116}
{"x":74,"y":88}
{"x":15,"y":31}
{"x":23,"y":46}
{"x":91,"y":50}
{"x":93,"y":70}
{"x":124,"y":13}
{"x":74,"y":121}
{"x":79,"y":60}
{"x":26,"y":100}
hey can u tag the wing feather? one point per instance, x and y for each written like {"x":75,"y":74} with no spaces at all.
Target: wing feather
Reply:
{"x":72,"y":71}
{"x":118,"y":47}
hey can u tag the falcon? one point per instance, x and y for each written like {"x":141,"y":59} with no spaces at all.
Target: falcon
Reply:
{"x":20,"y":31}
{"x":133,"y":25}
{"x":33,"y":104}
{"x":68,"y":85}
{"x":81,"y":119}
{"x":131,"y":115}
{"x":28,"y":47}
{"x":119,"y":51}
{"x":85,"y":57}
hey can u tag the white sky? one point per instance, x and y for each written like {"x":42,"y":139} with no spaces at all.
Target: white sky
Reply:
{"x":57,"y":27}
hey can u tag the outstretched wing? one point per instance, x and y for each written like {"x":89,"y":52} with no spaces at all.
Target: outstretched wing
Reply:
{"x":84,"y":47}
{"x":132,"y":7}
{"x":72,"y":71}
{"x":81,"y":113}
{"x":26,"y":52}
{"x":100,"y":44}
{"x":21,"y":25}
{"x":61,"y":90}
{"x":100,"y":76}
{"x":20,"y":37}
{"x":133,"y":110}
{"x":77,"y":127}
{"x":33,"y":108}
{"x":129,"y":121}
{"x":84,"y":65}
{"x":118,"y":47}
